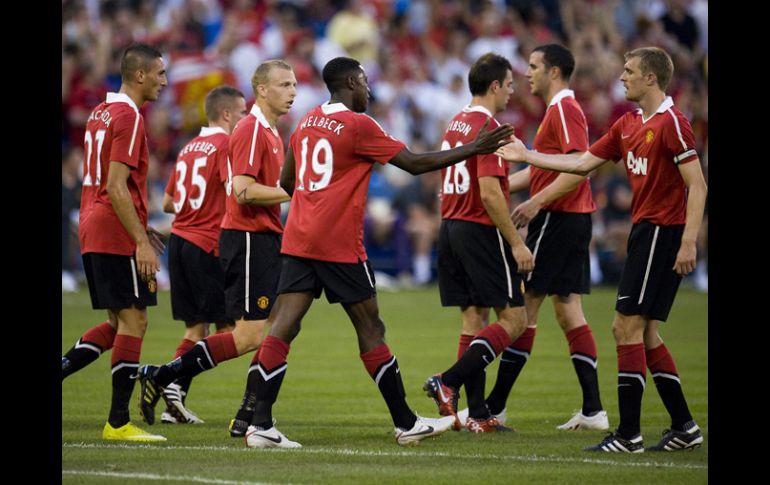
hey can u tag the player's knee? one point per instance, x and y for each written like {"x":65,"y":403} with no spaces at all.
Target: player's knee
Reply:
{"x":513,"y":322}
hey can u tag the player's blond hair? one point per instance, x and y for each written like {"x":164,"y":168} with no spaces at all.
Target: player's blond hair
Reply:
{"x":262,"y":71}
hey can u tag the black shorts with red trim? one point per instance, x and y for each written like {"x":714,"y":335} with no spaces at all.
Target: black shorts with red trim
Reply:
{"x":197,"y":283}
{"x":649,"y":283}
{"x":251,"y":262}
{"x":342,"y":282}
{"x":476,"y":267}
{"x":114,"y":283}
{"x":559,"y":243}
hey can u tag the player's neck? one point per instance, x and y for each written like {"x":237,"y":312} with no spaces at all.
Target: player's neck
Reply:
{"x":134,"y":93}
{"x":220,"y":124}
{"x":651,"y":101}
{"x":554,"y":89}
{"x":270,"y":116}
{"x":487,"y":102}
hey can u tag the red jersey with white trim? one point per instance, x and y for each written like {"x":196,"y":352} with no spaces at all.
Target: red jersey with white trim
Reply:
{"x":460,"y":191}
{"x":197,"y":187}
{"x":651,"y":150}
{"x":563,"y":129}
{"x":114,"y":132}
{"x":255,"y":150}
{"x":334,"y":152}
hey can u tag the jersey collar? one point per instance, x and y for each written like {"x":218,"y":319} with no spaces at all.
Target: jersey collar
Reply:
{"x":329,"y":109}
{"x":564,"y":93}
{"x":211,"y":130}
{"x":477,"y":109}
{"x":261,"y":118}
{"x":121,"y":98}
{"x":667,"y":104}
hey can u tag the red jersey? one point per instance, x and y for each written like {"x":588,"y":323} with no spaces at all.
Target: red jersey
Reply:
{"x":255,"y":150}
{"x":334,"y":149}
{"x":114,"y":132}
{"x":460,"y":191}
{"x":562,"y":130}
{"x":651,"y":150}
{"x":197,"y":187}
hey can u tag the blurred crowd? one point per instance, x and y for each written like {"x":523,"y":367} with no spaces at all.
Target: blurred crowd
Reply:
{"x":417,"y":55}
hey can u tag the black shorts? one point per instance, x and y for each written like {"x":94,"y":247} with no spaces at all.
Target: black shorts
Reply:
{"x":476,"y":267}
{"x":559,"y":243}
{"x":342,"y":282}
{"x":114,"y":283}
{"x":648,"y":284}
{"x":251,"y":262}
{"x":197,"y":283}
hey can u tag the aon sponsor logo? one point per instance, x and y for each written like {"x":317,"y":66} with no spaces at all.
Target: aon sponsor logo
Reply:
{"x":636,"y":165}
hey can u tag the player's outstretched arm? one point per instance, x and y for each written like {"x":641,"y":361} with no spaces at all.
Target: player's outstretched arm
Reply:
{"x":485,"y":142}
{"x":580,"y":164}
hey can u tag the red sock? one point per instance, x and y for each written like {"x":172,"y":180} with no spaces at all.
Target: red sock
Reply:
{"x":374,"y":358}
{"x":222,"y":347}
{"x":497,"y":337}
{"x":102,"y":335}
{"x":631,"y":359}
{"x":273,"y":353}
{"x":525,"y":341}
{"x":184,"y":346}
{"x":465,"y":341}
{"x":659,"y":360}
{"x":581,"y":341}
{"x":126,"y":349}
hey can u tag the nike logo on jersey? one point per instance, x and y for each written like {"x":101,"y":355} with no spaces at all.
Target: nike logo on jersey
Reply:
{"x":624,"y":136}
{"x":623,"y":297}
{"x":275,"y":150}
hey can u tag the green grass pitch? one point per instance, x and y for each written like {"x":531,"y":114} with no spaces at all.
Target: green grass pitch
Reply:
{"x":330,"y":405}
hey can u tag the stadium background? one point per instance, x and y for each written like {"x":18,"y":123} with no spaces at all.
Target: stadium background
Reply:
{"x":417,"y":55}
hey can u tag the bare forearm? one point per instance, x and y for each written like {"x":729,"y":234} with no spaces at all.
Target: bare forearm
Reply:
{"x":569,"y":163}
{"x":696,"y":201}
{"x":518,"y":181}
{"x":258,"y":194}
{"x":494,"y":203}
{"x":124,"y":209}
{"x":562,"y":185}
{"x":418,"y":163}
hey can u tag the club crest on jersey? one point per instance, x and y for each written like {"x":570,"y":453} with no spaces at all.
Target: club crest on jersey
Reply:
{"x":649,"y":136}
{"x":262,"y":302}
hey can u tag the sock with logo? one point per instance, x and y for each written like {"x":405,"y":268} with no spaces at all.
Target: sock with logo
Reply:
{"x":511,"y":362}
{"x":663,"y":370}
{"x":270,"y":371}
{"x":204,"y":355}
{"x":125,"y":364}
{"x":481,"y":352}
{"x":582,"y":349}
{"x":631,"y":382}
{"x":382,"y":366}
{"x":88,"y":348}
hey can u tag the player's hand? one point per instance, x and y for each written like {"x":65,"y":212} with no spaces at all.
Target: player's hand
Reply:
{"x":489,"y":141}
{"x":147,"y":263}
{"x":157,"y":240}
{"x":515,"y":151}
{"x":685,"y":259}
{"x":524,"y":212}
{"x":523,"y":256}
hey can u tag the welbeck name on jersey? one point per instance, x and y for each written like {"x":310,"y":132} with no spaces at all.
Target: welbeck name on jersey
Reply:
{"x":323,"y":122}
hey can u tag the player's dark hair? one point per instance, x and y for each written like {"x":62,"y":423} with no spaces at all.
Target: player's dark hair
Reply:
{"x":219,"y":99}
{"x":556,"y":55}
{"x":487,"y":69}
{"x":136,"y":57}
{"x":337,"y":71}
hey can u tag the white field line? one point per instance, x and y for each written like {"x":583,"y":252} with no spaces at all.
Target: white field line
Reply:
{"x":418,"y":454}
{"x":152,"y":476}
